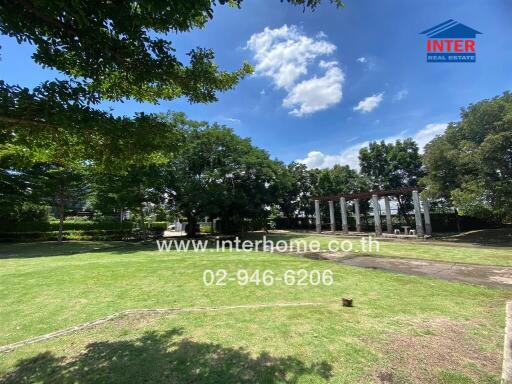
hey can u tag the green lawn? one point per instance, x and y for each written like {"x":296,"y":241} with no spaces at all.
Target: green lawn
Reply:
{"x":402,"y":329}
{"x":416,"y":249}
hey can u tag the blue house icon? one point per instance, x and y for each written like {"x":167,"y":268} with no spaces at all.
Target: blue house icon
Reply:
{"x":451,"y":29}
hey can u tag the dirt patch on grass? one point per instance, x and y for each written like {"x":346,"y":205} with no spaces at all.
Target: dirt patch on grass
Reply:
{"x":136,"y":321}
{"x":429,"y":348}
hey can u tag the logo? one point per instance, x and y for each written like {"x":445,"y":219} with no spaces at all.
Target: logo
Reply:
{"x":451,"y":42}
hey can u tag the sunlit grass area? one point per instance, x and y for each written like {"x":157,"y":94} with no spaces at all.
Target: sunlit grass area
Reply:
{"x":396,"y":320}
{"x":415,"y":249}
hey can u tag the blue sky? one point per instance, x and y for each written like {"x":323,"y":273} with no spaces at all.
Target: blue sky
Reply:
{"x":302,"y":102}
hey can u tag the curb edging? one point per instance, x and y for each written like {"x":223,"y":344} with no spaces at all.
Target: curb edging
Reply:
{"x":157,"y":311}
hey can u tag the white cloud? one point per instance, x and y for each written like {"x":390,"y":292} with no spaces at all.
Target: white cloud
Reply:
{"x":317,"y":159}
{"x":285,"y":55}
{"x":370,"y":103}
{"x":401,"y":94}
{"x":317,"y":93}
{"x":232,"y":120}
{"x":350,"y":155}
{"x":430,"y":131}
{"x":362,"y":59}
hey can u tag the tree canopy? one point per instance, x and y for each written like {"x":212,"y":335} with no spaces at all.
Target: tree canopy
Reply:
{"x":392,"y":165}
{"x":470,"y":165}
{"x":219,"y":174}
{"x":122,"y":48}
{"x":56,"y":123}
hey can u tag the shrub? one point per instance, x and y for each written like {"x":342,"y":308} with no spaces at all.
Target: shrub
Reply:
{"x":106,"y":235}
{"x":69,"y":225}
{"x":158,"y":225}
{"x":205,"y":228}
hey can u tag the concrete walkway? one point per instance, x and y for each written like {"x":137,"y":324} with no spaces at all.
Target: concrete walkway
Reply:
{"x":495,"y":276}
{"x":468,"y":273}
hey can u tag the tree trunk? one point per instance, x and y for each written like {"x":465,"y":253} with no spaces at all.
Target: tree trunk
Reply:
{"x":61,"y":214}
{"x":142,"y":223}
{"x":457,"y":220}
{"x":191,"y":228}
{"x":401,"y":209}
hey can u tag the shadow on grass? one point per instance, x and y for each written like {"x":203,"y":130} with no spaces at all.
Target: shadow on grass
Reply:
{"x":68,"y":248}
{"x":160,"y":358}
{"x":501,"y":237}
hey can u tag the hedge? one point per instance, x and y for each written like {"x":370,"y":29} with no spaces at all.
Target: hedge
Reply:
{"x":158,"y":225}
{"x":97,"y":234}
{"x":77,"y":225}
{"x":68,"y":235}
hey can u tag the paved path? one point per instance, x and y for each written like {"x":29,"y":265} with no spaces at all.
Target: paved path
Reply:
{"x":491,"y":275}
{"x":468,"y":273}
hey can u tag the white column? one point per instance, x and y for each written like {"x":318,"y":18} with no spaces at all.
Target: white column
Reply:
{"x":426,"y":215}
{"x":331,"y":216}
{"x":417,"y":213}
{"x":358,"y":215}
{"x":344,"y":220}
{"x":317,"y":216}
{"x":376,"y":215}
{"x":389,"y":224}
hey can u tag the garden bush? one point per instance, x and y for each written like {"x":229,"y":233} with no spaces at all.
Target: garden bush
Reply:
{"x":106,"y":235}
{"x":53,"y":225}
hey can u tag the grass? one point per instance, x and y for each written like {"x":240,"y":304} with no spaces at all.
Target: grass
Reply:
{"x":396,"y":319}
{"x":417,"y":249}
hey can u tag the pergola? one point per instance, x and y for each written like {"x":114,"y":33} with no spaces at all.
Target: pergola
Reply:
{"x":374,"y":196}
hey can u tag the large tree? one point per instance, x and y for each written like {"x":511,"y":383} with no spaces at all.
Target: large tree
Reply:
{"x":55,"y":128}
{"x":296,"y":190}
{"x":391,"y":166}
{"x":470,"y":165}
{"x":123,"y":48}
{"x":58,"y":186}
{"x":219,"y":174}
{"x":133,"y":189}
{"x":340,"y":179}
{"x":336,"y":180}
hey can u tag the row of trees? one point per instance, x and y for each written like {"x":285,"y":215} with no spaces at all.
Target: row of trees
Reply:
{"x":207,"y":170}
{"x":57,"y":148}
{"x":470,"y":165}
{"x":194,"y":169}
{"x":467,"y":169}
